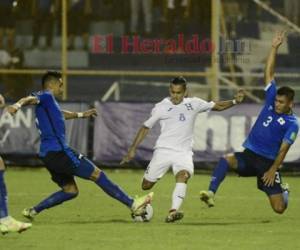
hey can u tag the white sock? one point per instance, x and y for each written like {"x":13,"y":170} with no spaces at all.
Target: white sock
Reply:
{"x":178,"y":195}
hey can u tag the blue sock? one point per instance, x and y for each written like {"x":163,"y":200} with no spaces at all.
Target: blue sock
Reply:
{"x":113,"y":190}
{"x":218,"y":175}
{"x":54,"y":199}
{"x":3,"y":196}
{"x":285,"y":195}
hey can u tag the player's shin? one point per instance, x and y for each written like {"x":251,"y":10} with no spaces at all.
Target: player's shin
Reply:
{"x":218,"y":175}
{"x":285,"y":195}
{"x":113,"y":190}
{"x":3,"y":196}
{"x":53,"y":200}
{"x":178,"y":195}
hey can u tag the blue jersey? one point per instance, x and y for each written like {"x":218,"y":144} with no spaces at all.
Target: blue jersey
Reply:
{"x":271,"y":129}
{"x":51,"y":124}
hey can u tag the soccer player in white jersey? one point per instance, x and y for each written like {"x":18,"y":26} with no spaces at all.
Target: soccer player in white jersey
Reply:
{"x":177,"y":115}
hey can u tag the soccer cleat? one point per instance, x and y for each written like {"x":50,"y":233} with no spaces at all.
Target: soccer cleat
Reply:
{"x":29,"y":213}
{"x":285,"y":187}
{"x":174,"y":216}
{"x":140,"y":203}
{"x":11,"y":225}
{"x":208,"y":198}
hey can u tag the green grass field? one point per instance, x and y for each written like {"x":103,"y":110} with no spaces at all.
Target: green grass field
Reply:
{"x":242,"y":218}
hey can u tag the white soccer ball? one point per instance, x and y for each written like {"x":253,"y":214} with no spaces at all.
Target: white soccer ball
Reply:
{"x":146,"y":216}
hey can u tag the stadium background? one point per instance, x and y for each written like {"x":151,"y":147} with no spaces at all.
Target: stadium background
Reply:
{"x":219,"y":46}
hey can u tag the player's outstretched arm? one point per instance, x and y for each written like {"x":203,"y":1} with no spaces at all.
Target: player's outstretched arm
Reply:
{"x":137,"y":140}
{"x":86,"y":114}
{"x":222,"y":105}
{"x":29,"y":100}
{"x":269,"y":176}
{"x":270,"y":65}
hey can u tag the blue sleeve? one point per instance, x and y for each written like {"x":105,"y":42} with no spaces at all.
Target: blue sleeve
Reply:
{"x":45,"y":99}
{"x":291,"y":134}
{"x":271,"y":91}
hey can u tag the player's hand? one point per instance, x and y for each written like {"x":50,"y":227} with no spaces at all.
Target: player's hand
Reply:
{"x":278,"y":39}
{"x":127,"y":158}
{"x":2,"y":101}
{"x":90,"y":113}
{"x":240,"y":95}
{"x":269,"y":177}
{"x":12,"y":109}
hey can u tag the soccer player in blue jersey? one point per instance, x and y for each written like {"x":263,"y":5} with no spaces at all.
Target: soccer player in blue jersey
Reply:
{"x":267,"y":144}
{"x":7,"y":223}
{"x":61,"y":161}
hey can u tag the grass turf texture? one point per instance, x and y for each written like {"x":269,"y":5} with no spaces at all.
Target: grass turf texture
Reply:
{"x":242,"y":218}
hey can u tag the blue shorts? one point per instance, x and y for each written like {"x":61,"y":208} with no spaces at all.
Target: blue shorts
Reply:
{"x":252,"y":164}
{"x":64,"y":165}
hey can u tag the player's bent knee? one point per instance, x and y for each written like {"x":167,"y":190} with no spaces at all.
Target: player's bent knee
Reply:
{"x":146,"y":187}
{"x":279,"y":209}
{"x":182,"y":176}
{"x":72,"y":195}
{"x":71,"y":189}
{"x":95,"y":175}
{"x":231,"y":160}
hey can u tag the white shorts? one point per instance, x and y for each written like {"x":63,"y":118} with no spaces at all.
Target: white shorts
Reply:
{"x":163,"y":159}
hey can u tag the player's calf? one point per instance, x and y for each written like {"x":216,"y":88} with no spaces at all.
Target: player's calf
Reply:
{"x":51,"y":201}
{"x":277,"y":203}
{"x":279,"y":209}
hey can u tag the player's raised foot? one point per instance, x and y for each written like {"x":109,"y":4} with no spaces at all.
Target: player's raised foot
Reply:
{"x":173,"y":216}
{"x":139,"y":203}
{"x":10,"y":225}
{"x":29,"y":213}
{"x":208,"y":198}
{"x":285,"y":187}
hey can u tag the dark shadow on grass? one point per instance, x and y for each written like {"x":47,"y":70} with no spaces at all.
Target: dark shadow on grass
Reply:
{"x":96,"y":222}
{"x":222,"y":223}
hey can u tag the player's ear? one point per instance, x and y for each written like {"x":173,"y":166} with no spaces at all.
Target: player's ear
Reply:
{"x":186,"y":93}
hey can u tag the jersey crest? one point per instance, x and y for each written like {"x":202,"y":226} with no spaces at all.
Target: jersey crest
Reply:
{"x":189,"y":106}
{"x":281,"y":121}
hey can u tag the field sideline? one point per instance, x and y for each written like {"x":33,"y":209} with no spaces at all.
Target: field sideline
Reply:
{"x":242,"y":218}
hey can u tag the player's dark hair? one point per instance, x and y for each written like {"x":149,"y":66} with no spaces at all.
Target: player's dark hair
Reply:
{"x":286,"y":91}
{"x":179,"y":80}
{"x":49,"y":76}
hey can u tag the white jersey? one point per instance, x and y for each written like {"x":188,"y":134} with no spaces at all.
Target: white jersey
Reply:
{"x":177,"y":122}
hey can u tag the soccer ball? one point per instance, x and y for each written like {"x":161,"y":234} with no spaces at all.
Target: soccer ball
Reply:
{"x":145,"y":216}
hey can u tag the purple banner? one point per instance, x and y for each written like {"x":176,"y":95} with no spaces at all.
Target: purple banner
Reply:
{"x":19,"y":135}
{"x":215,"y":133}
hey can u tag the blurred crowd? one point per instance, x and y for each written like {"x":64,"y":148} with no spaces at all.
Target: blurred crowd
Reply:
{"x":156,"y":18}
{"x":143,"y":17}
{"x":147,"y":18}
{"x":247,"y":12}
